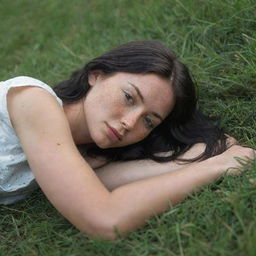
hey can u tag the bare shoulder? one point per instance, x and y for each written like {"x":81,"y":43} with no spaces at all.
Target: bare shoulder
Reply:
{"x":29,"y":101}
{"x":38,"y":120}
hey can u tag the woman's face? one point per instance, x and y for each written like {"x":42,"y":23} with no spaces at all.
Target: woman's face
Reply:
{"x":124,"y":108}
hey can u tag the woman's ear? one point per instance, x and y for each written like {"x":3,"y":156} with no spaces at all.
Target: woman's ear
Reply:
{"x":94,"y":76}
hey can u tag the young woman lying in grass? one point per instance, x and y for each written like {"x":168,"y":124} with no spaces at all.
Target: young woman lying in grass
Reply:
{"x":136,"y":102}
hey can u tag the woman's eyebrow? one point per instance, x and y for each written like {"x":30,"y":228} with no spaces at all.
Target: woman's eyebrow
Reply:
{"x":142,"y":99}
{"x":137,"y":90}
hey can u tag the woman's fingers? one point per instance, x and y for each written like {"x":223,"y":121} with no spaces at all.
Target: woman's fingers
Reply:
{"x":230,"y":141}
{"x":238,"y":159}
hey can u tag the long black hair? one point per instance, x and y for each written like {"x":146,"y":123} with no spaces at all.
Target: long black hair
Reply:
{"x":185,"y":126}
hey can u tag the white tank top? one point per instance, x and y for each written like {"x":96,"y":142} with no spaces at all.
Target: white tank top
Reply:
{"x":16,"y":179}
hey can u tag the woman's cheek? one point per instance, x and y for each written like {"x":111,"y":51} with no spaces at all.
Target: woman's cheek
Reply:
{"x":118,"y":109}
{"x":138,"y":135}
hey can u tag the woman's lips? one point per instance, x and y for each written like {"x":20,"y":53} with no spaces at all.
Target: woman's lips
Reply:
{"x":113,"y":133}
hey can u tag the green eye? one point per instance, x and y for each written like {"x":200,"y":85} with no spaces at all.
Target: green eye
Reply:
{"x":148,"y":122}
{"x":128,"y":97}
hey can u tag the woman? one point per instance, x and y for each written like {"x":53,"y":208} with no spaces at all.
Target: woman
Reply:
{"x":134,"y":102}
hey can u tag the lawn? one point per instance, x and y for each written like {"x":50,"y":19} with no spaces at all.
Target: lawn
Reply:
{"x":217,"y":40}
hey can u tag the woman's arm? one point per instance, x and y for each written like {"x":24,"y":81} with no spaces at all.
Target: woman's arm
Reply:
{"x":116,"y":174}
{"x":73,"y":187}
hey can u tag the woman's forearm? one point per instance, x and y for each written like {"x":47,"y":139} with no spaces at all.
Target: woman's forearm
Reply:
{"x":116,"y":174}
{"x":134,"y":203}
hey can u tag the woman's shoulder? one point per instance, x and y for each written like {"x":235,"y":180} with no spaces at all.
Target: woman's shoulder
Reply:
{"x":26,"y":81}
{"x":31,"y":97}
{"x":32,"y":110}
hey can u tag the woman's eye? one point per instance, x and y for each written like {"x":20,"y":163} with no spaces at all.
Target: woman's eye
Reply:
{"x":128,"y":97}
{"x":148,"y":122}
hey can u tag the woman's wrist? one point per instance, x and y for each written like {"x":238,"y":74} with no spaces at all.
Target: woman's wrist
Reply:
{"x":215,"y":165}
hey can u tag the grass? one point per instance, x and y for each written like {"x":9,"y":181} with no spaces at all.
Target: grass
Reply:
{"x":216,"y":39}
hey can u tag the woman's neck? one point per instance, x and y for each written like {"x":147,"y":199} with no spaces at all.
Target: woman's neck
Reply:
{"x":76,"y":118}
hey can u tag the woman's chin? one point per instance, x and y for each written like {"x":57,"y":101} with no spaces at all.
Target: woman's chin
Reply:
{"x":103,"y":144}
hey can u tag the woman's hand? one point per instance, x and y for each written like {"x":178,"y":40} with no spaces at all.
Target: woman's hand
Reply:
{"x":236,"y":159}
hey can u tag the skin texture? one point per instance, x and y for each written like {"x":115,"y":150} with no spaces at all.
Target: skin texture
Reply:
{"x":114,"y":102}
{"x":47,"y":137}
{"x":116,"y":174}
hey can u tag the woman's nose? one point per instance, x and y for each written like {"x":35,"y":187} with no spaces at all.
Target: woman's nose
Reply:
{"x":130,"y":119}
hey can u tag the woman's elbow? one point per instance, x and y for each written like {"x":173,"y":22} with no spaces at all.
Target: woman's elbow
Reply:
{"x":102,"y":227}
